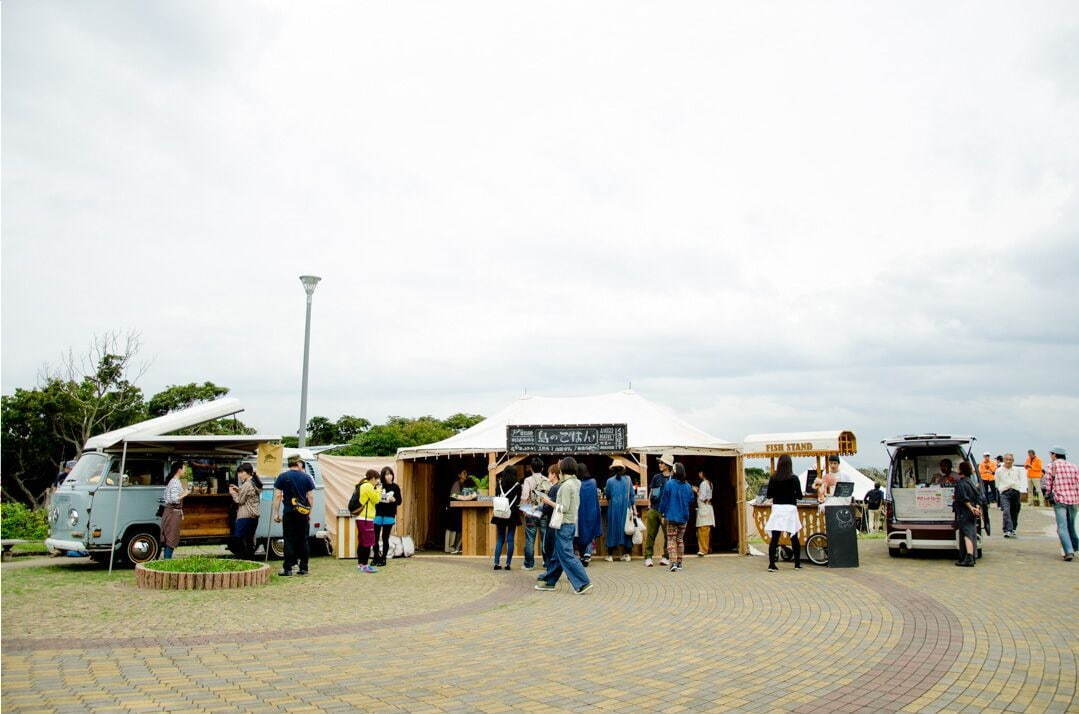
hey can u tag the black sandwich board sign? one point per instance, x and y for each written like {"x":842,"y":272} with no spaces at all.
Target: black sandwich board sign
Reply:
{"x":566,"y":438}
{"x":842,"y":536}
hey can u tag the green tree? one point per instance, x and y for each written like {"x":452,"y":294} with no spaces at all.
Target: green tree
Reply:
{"x":31,"y":451}
{"x":756,"y":478}
{"x":461,"y":421}
{"x":321,"y":430}
{"x":182,"y":396}
{"x":349,"y":427}
{"x":398,"y":432}
{"x":878,"y":475}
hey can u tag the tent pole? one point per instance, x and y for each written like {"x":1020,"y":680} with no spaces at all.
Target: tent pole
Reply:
{"x":116,"y":512}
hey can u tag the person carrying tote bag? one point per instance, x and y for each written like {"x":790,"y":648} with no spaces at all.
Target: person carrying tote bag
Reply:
{"x":621,"y":516}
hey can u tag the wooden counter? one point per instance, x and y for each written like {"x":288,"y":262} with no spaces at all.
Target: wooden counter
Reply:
{"x":477,"y":533}
{"x":207,"y":514}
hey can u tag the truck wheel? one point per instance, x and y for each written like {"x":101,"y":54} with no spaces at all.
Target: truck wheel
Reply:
{"x":140,"y":546}
{"x":276,"y":546}
{"x":320,"y":547}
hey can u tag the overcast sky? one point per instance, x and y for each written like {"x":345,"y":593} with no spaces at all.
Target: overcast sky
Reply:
{"x":768,"y":216}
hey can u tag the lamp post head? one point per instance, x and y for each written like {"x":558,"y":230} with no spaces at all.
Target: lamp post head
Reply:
{"x":309,"y":283}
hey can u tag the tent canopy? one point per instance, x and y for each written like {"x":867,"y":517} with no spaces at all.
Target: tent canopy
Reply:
{"x":862,"y":483}
{"x":651,"y":428}
{"x":800,"y":443}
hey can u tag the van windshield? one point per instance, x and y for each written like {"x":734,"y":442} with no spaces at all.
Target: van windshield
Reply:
{"x":89,"y":469}
{"x":921,"y":467}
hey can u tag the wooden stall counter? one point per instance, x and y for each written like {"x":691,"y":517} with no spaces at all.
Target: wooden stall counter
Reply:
{"x":206,"y":514}
{"x":477,"y":533}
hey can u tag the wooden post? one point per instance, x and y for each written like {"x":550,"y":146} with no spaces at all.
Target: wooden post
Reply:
{"x":740,"y":492}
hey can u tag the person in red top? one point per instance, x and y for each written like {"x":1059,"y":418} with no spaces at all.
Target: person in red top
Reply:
{"x":1034,"y":469}
{"x":1061,"y":483}
{"x":987,"y":469}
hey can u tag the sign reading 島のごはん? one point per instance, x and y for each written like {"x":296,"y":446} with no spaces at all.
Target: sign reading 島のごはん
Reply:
{"x":567,"y":439}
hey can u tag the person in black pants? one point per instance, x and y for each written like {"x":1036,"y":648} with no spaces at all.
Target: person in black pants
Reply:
{"x":386,"y":514}
{"x":784,"y":490}
{"x":966,"y":503}
{"x":547,"y":510}
{"x":292,"y":494}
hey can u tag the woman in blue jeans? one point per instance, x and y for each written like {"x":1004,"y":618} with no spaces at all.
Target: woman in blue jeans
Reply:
{"x":564,"y":560}
{"x":505,"y":528}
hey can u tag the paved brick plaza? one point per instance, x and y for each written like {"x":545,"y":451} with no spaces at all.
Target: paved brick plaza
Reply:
{"x":451,"y":635}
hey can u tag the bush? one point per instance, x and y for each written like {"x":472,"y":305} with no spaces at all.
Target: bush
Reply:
{"x":201,"y":564}
{"x":18,"y":521}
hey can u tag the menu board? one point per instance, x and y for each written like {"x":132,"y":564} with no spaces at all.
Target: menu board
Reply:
{"x":566,"y":438}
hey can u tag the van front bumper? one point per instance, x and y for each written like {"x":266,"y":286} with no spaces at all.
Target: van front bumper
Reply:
{"x":59,"y":544}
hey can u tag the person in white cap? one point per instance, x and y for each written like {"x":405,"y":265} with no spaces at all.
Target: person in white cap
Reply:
{"x":653,"y":519}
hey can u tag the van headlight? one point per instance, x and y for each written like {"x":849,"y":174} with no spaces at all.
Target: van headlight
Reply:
{"x":73,"y":517}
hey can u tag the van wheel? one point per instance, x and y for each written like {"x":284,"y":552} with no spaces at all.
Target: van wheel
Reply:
{"x":276,"y":546}
{"x":139,"y":547}
{"x":895,"y":552}
{"x":320,"y":547}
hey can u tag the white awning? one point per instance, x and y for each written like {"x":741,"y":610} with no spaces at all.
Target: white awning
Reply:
{"x":223,"y":445}
{"x":800,"y":443}
{"x":650,"y":427}
{"x":173,"y":421}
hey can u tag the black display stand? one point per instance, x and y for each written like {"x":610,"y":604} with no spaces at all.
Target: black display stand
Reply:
{"x":842,"y":537}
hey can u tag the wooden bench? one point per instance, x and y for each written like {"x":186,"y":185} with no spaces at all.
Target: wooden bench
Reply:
{"x":8,"y":544}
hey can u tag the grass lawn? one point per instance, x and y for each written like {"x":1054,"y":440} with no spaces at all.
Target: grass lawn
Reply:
{"x":34,"y":547}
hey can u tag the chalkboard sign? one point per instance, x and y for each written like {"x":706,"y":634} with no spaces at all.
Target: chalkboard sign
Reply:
{"x":842,"y":537}
{"x":566,"y":438}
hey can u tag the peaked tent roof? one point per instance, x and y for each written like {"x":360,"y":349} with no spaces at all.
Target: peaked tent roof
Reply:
{"x":650,"y":427}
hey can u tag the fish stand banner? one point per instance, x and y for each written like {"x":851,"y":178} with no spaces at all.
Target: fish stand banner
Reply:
{"x":566,"y":439}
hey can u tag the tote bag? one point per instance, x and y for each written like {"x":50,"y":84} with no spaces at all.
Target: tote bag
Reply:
{"x":631,"y":523}
{"x":556,"y":518}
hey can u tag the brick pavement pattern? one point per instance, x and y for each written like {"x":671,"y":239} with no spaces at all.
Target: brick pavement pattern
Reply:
{"x":912,"y":634}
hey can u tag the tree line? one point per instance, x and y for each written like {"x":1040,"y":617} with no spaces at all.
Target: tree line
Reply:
{"x":95,"y":391}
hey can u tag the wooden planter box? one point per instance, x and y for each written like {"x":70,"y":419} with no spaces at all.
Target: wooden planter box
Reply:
{"x":159,"y":580}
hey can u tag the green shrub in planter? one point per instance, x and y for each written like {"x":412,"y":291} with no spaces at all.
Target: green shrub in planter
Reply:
{"x":201,"y":564}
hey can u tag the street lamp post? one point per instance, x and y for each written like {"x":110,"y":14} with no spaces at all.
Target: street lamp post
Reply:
{"x":309,"y":283}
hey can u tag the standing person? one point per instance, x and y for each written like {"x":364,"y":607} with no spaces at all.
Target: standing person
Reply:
{"x":706,"y":515}
{"x":1061,"y":483}
{"x":1033,"y":466}
{"x":386,"y":514}
{"x":674,"y":503}
{"x":246,"y":497}
{"x":825,"y":483}
{"x":364,"y":506}
{"x":966,"y":503}
{"x":873,"y":499}
{"x":784,"y":490}
{"x":175,"y":490}
{"x":534,"y":484}
{"x":506,"y":526}
{"x":589,"y":523}
{"x":1011,"y":480}
{"x":987,"y":470}
{"x":453,"y":515}
{"x":547,"y":501}
{"x":652,"y":518}
{"x":563,"y":560}
{"x":619,"y":493}
{"x":292,"y":493}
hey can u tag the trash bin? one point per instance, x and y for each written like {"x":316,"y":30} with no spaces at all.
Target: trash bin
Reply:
{"x":345,"y":540}
{"x":840,"y":526}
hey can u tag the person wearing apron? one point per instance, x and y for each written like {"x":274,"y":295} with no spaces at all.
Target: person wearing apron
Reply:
{"x":706,"y":515}
{"x":173,"y":512}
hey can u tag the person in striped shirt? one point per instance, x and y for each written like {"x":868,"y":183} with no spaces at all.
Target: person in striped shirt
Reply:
{"x":1061,"y":483}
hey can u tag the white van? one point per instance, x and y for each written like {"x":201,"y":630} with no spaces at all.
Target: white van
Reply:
{"x":96,"y":496}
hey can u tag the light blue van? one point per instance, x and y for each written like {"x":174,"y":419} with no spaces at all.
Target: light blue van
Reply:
{"x":96,"y":510}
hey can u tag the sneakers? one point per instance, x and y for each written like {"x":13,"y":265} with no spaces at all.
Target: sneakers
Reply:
{"x":609,"y":559}
{"x":507,"y":567}
{"x":545,"y":587}
{"x":674,"y":568}
{"x":285,"y":573}
{"x":367,"y":569}
{"x":1068,"y":557}
{"x":648,"y":562}
{"x":528,"y":567}
{"x":498,"y":567}
{"x":664,"y":561}
{"x":700,"y":554}
{"x":584,"y":588}
{"x":626,"y":558}
{"x":303,"y":573}
{"x":772,"y":568}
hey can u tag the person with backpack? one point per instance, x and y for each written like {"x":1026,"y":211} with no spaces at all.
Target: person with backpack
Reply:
{"x":386,"y":514}
{"x":364,"y":506}
{"x":292,"y":494}
{"x":619,"y":493}
{"x":674,"y":503}
{"x":873,"y":499}
{"x":506,"y":515}
{"x":535,"y":483}
{"x":246,"y":496}
{"x":653,"y":520}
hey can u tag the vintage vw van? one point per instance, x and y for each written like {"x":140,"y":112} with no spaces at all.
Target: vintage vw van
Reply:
{"x":920,"y":512}
{"x":99,"y":509}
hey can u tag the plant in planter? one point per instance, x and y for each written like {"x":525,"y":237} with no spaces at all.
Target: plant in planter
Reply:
{"x":200,"y":572}
{"x":481,"y":483}
{"x":201,"y":564}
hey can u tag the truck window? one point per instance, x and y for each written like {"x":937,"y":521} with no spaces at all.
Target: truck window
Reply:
{"x":916,"y":468}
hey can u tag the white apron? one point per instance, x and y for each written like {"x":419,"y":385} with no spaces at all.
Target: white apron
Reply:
{"x":784,"y":518}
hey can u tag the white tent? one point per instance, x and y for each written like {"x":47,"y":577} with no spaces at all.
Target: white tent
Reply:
{"x":650,"y":428}
{"x":862,"y":483}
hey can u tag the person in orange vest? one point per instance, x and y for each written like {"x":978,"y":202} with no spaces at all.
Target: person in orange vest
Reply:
{"x":987,"y":469}
{"x":1035,"y":471}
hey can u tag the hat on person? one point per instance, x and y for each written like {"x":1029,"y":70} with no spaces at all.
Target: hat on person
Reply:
{"x":666,"y":458}
{"x":986,"y":453}
{"x":1058,"y":450}
{"x":70,"y":464}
